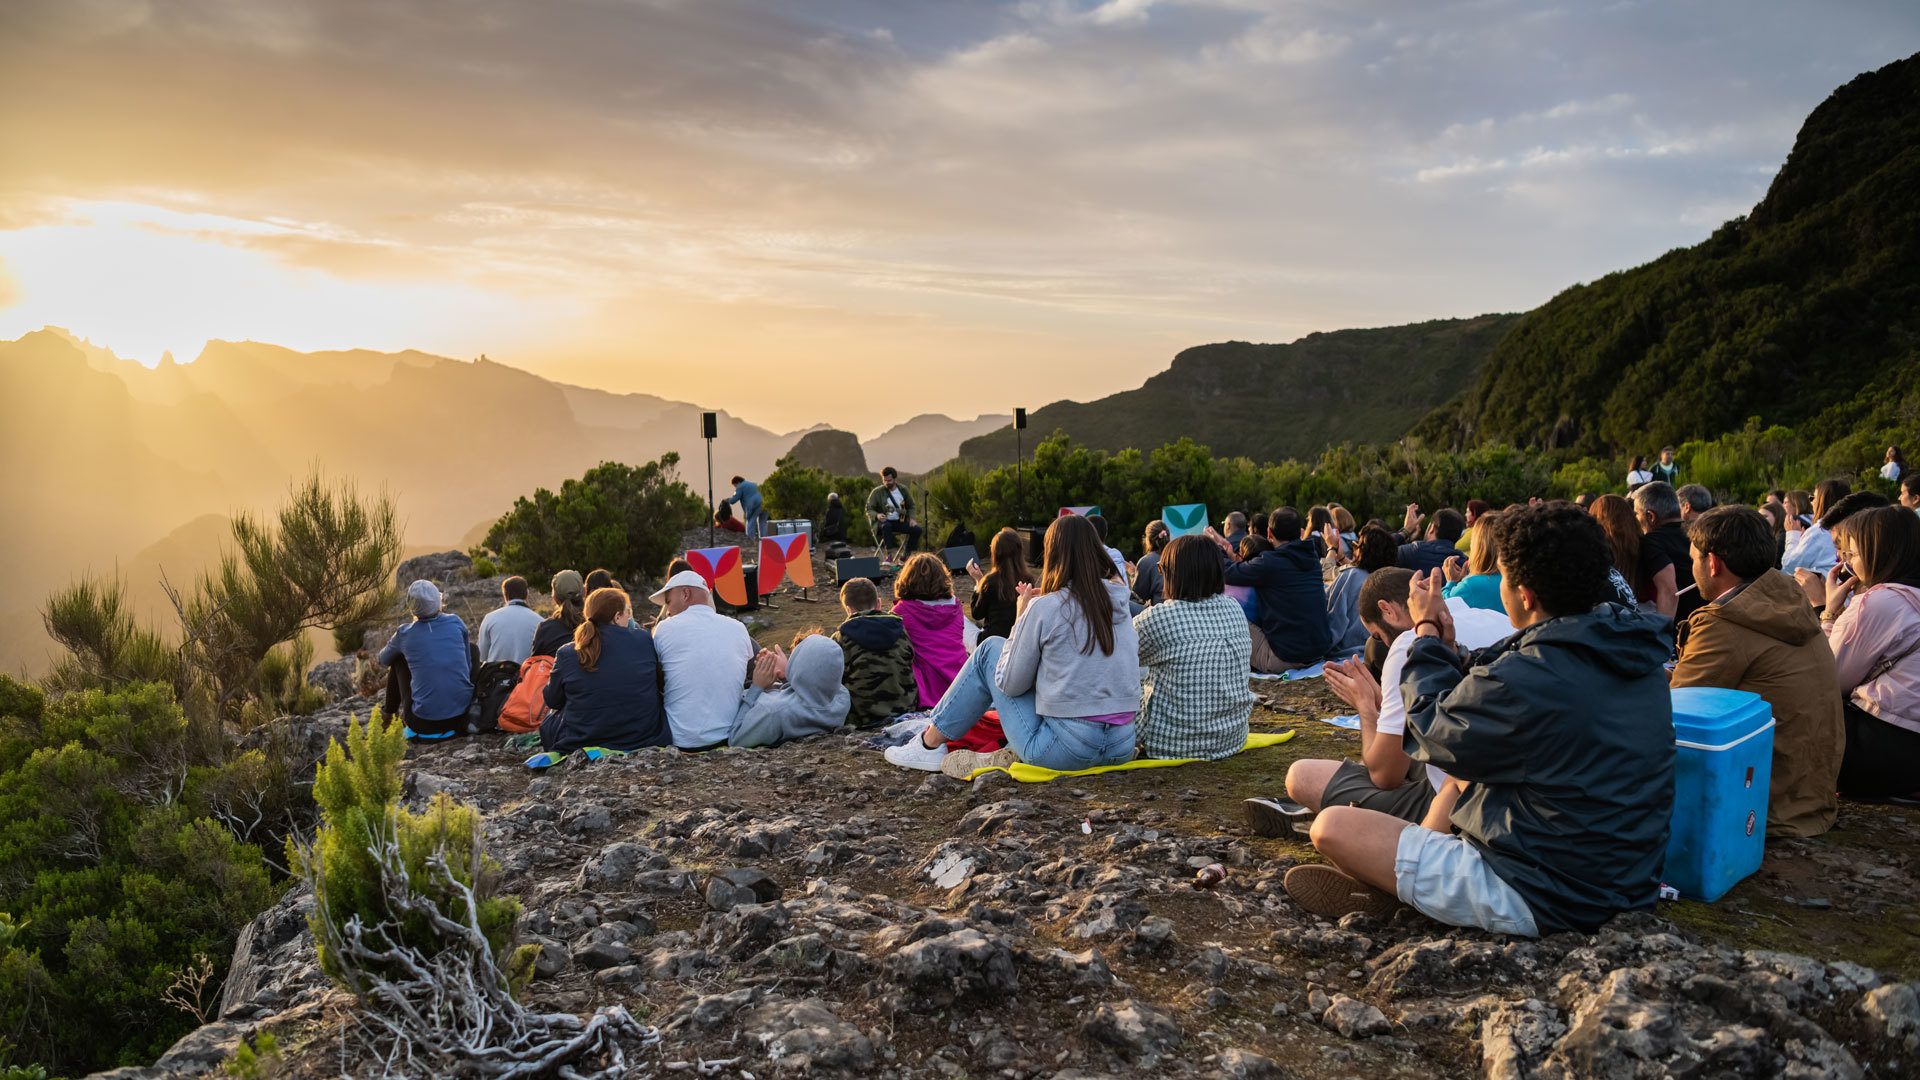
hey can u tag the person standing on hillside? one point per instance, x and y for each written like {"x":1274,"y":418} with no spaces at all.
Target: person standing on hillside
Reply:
{"x":1638,"y":473}
{"x":890,"y":509}
{"x":752,"y":514}
{"x":1665,"y":469}
{"x":1896,"y":465}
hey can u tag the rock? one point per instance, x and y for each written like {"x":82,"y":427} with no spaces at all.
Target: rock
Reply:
{"x":615,"y":866}
{"x":936,"y":784}
{"x":334,"y":677}
{"x":711,"y":1010}
{"x":440,"y":568}
{"x":985,"y":821}
{"x":728,"y":889}
{"x":940,"y":970}
{"x":1154,"y":934}
{"x":1895,"y":1011}
{"x":1355,"y":1019}
{"x":553,"y":959}
{"x":1134,"y":1028}
{"x":805,"y":1036}
{"x":1516,"y":1033}
{"x":1083,"y":969}
{"x":274,"y":956}
{"x":1210,"y":965}
{"x":586,"y":817}
{"x":426,"y":786}
{"x":1246,"y":1065}
{"x":1318,"y":1003}
{"x":595,"y":955}
{"x":675,"y":963}
{"x":745,"y":929}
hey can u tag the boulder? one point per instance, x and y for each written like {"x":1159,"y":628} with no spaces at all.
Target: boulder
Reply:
{"x":334,"y":678}
{"x":728,"y":889}
{"x":938,"y":971}
{"x":1134,"y":1028}
{"x":1355,"y":1019}
{"x":1895,"y":1011}
{"x":440,"y":568}
{"x":1246,"y":1065}
{"x":616,"y":865}
{"x":805,"y":1036}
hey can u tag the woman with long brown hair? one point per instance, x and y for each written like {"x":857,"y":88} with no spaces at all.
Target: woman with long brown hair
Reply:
{"x":1066,"y":681}
{"x":606,"y":683}
{"x":1199,"y":648}
{"x":1617,"y":520}
{"x":1872,"y":621}
{"x":996,"y":591}
{"x":569,"y":602}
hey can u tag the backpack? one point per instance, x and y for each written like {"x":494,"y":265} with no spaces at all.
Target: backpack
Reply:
{"x":492,"y":684}
{"x":526,"y":706}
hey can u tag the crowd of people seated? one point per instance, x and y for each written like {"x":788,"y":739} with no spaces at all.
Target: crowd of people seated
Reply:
{"x":1509,"y":668}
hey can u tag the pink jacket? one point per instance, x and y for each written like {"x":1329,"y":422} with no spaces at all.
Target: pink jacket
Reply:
{"x":938,"y":633}
{"x":1877,"y":626}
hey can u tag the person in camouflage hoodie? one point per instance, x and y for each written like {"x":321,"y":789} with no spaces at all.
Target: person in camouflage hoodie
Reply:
{"x":879,"y":672}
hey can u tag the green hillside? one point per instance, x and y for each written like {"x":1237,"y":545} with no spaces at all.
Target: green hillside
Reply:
{"x":1806,"y":308}
{"x":1272,"y":402}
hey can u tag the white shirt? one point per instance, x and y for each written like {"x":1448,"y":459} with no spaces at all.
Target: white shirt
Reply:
{"x":1812,"y":548}
{"x":1890,"y":471}
{"x":1473,"y":628}
{"x":1638,"y":477}
{"x":704,"y":655}
{"x":507,"y":633}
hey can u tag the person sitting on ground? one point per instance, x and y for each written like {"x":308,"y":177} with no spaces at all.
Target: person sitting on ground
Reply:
{"x":704,"y":656}
{"x":1292,"y":630}
{"x":1066,"y":683}
{"x":1665,"y":469}
{"x":1815,"y":585}
{"x":1809,"y":543}
{"x":890,"y":511}
{"x":1664,"y":558}
{"x":1384,"y":778}
{"x":1872,"y":622}
{"x":1799,"y":509}
{"x":1375,"y":550}
{"x":1557,"y":742}
{"x":1442,"y":533}
{"x":833,"y":527}
{"x":1198,"y":646}
{"x":1584,"y":500}
{"x":605,"y":690}
{"x":1319,"y":523}
{"x":1099,"y":523}
{"x":1776,"y":515}
{"x":752,"y":512}
{"x":1476,"y":578}
{"x":1256,"y":524}
{"x":1148,"y":586}
{"x":1235,"y":528}
{"x":923,"y":599}
{"x":430,"y":664}
{"x":1343,"y":521}
{"x":1638,"y":473}
{"x":878,"y":658}
{"x":813,"y":701}
{"x":1617,"y":520}
{"x":723,"y":519}
{"x":1694,"y":501}
{"x":1476,"y":509}
{"x":1910,"y":491}
{"x":1756,"y":633}
{"x":569,"y":609}
{"x":507,"y":631}
{"x":1895,"y":466}
{"x":996,"y":592}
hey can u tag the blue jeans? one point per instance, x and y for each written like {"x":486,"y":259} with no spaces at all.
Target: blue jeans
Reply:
{"x":1062,"y":743}
{"x":889,"y":530}
{"x":756,"y":524}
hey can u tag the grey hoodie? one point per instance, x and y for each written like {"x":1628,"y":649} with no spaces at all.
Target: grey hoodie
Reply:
{"x":812,"y":702}
{"x":1047,"y":654}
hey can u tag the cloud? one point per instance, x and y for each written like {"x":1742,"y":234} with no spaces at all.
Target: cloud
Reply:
{"x":1036,"y":178}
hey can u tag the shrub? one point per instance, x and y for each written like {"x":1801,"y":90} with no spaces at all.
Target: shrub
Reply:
{"x":357,"y":789}
{"x":793,"y":490}
{"x":114,"y":880}
{"x":93,"y":620}
{"x":627,"y":519}
{"x":484,"y":567}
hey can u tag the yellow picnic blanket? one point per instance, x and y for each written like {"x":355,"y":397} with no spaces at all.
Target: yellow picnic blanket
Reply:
{"x":1034,"y":774}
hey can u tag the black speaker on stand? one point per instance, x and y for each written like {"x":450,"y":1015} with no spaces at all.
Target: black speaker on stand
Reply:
{"x":1020,"y":460}
{"x":710,"y":430}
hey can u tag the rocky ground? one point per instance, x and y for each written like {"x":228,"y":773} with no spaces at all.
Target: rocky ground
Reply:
{"x":812,"y":909}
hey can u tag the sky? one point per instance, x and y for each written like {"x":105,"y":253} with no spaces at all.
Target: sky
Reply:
{"x":855,"y":211}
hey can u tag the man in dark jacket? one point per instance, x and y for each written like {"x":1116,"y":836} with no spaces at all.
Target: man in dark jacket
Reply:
{"x":1558,"y":746}
{"x":1441,"y":544}
{"x":879,"y":658}
{"x":1293,"y":630}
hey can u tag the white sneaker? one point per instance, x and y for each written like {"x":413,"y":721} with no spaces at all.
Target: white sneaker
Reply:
{"x":915,"y":754}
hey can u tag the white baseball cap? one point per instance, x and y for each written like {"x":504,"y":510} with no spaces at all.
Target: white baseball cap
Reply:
{"x":690,"y":578}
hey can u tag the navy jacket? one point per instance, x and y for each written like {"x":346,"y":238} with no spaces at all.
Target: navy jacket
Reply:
{"x":1564,"y":733}
{"x":617,"y":705}
{"x":439,"y":664}
{"x":1427,"y":555}
{"x":1293,"y":606}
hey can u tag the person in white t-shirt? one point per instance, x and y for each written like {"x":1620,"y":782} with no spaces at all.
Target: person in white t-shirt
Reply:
{"x":1638,"y":473}
{"x":1896,"y":465}
{"x":1383,"y":779}
{"x":704,"y":657}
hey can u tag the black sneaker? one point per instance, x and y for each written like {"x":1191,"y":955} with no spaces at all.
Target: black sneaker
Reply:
{"x":1277,"y":817}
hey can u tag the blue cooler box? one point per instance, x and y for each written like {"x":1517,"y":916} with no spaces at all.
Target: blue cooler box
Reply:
{"x":1720,"y":779}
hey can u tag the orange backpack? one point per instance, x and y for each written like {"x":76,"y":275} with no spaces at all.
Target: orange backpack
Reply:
{"x":527,"y":705}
